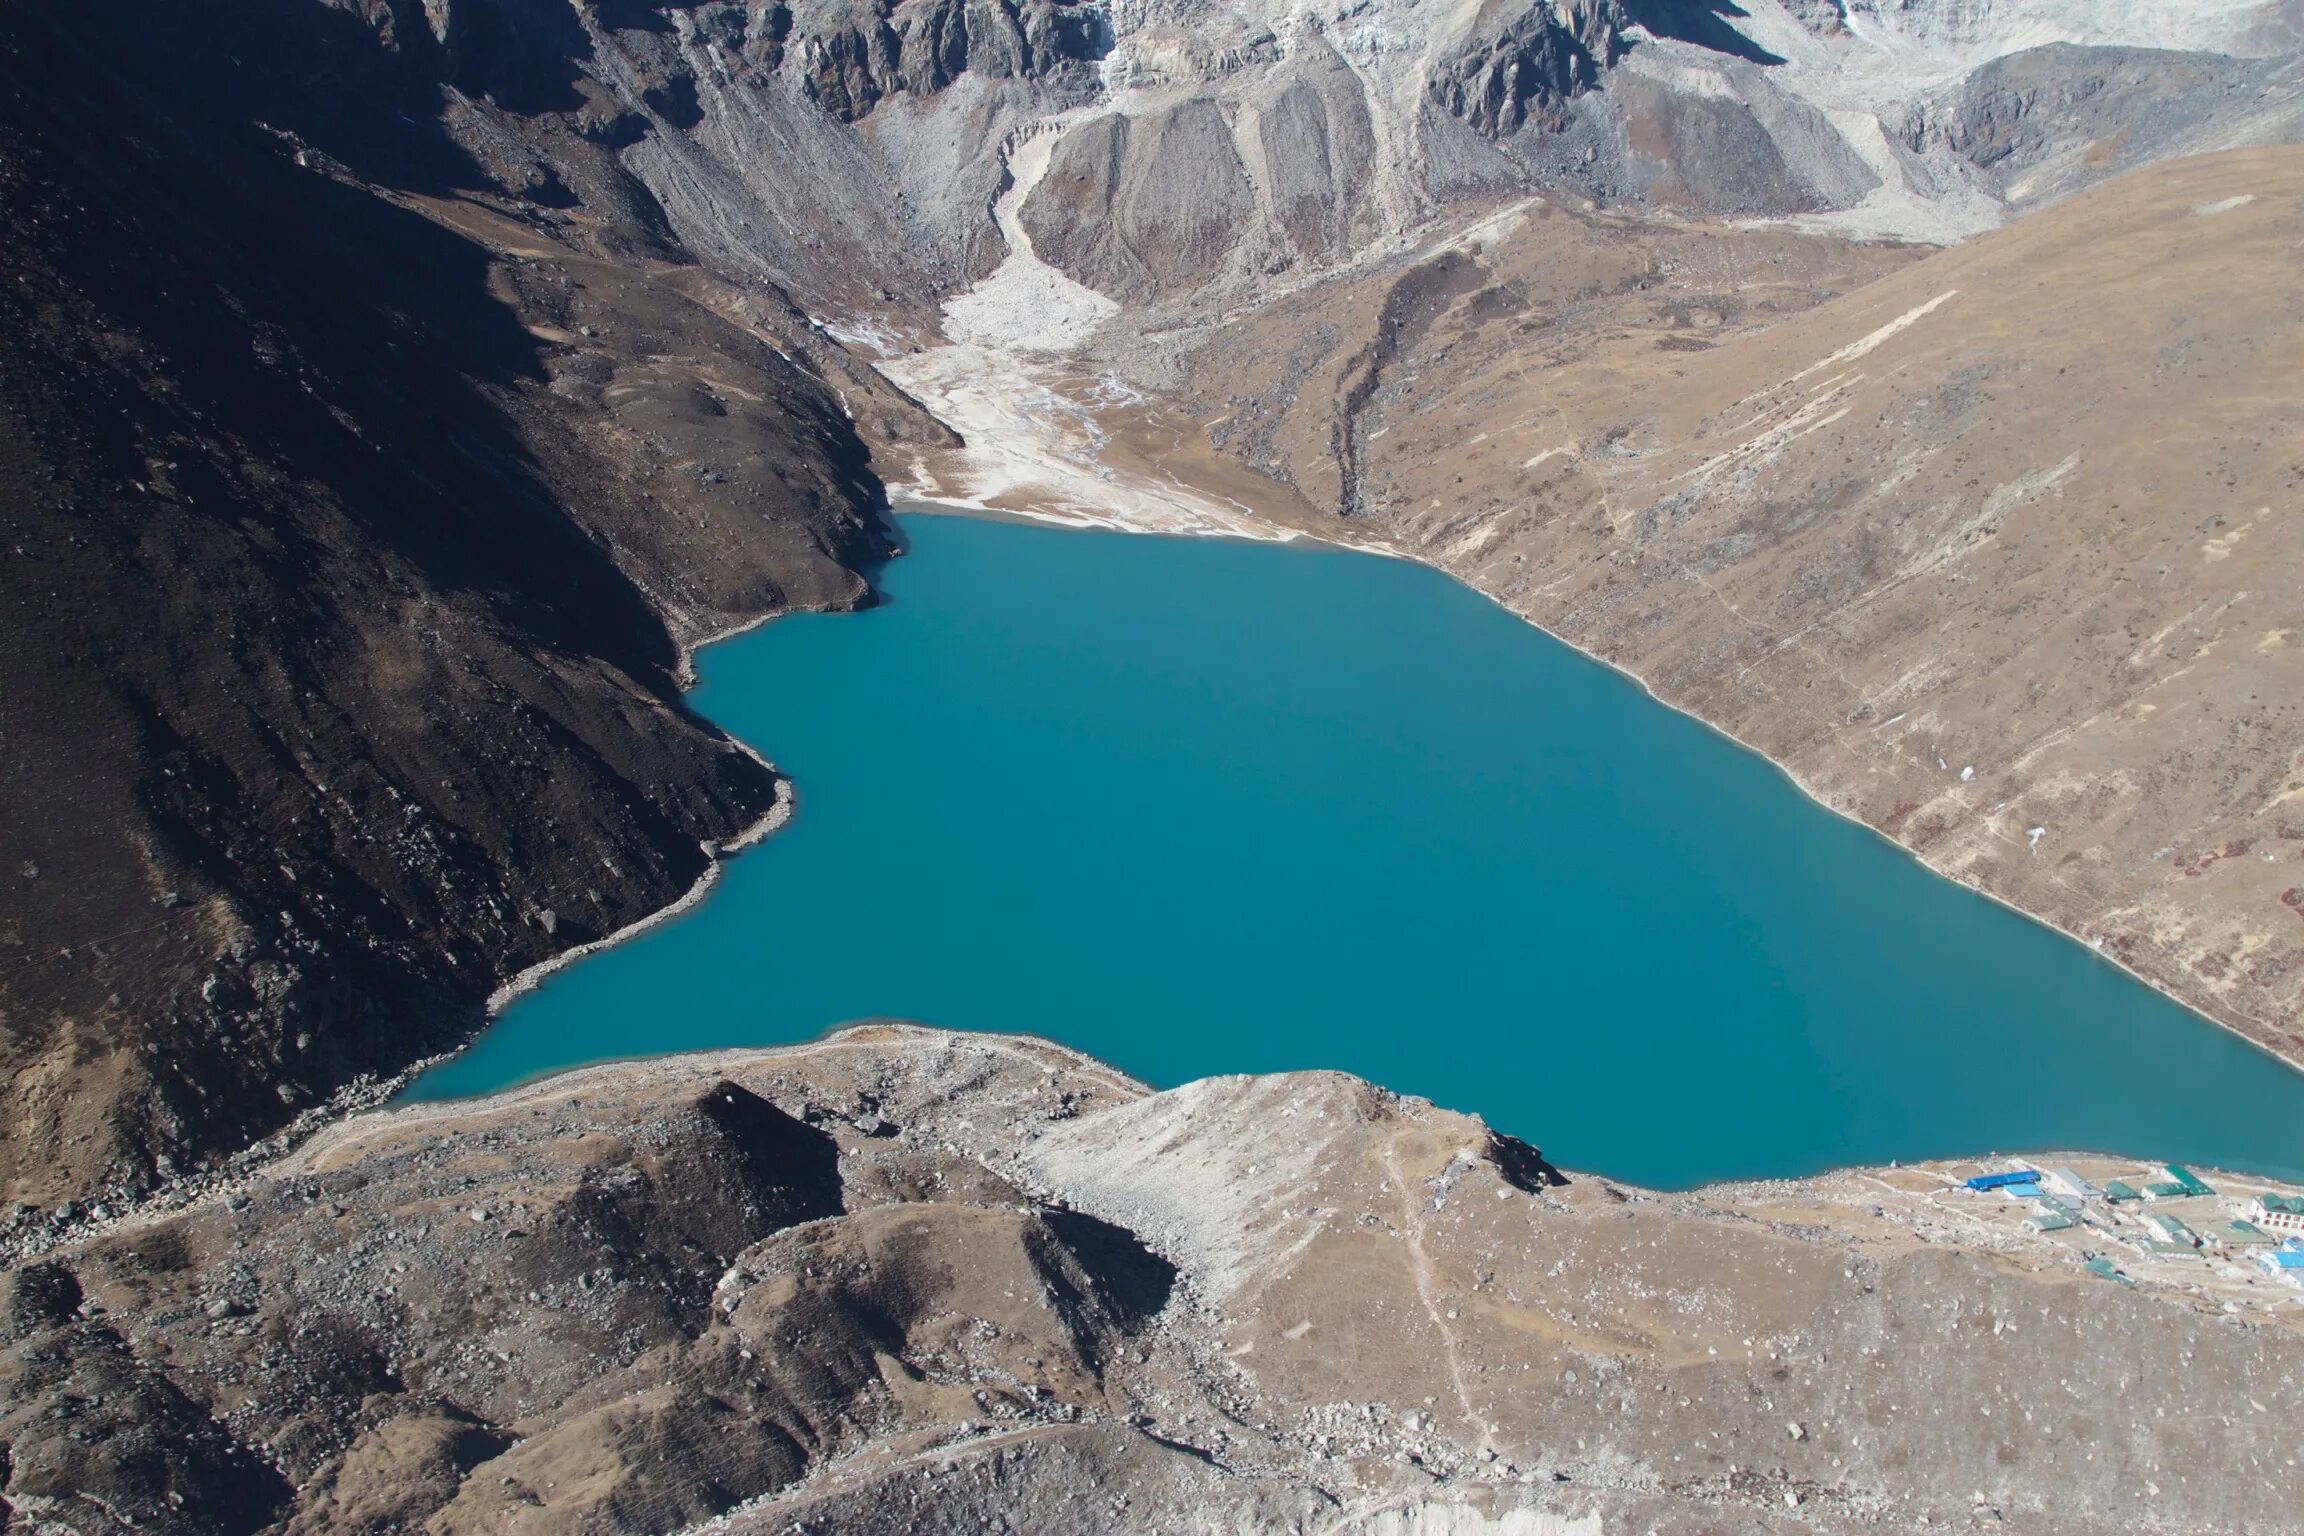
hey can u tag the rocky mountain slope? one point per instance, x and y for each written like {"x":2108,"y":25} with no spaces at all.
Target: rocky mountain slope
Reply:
{"x":358,"y":513}
{"x":2008,"y":583}
{"x":907,"y":1281}
{"x":393,"y":392}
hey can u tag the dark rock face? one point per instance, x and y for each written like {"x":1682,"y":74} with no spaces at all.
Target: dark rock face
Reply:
{"x":1531,"y":66}
{"x":922,"y":46}
{"x":350,"y":560}
{"x":1711,"y":24}
{"x":517,"y":54}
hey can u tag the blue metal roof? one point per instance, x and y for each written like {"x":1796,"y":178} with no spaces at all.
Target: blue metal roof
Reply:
{"x":2003,"y":1180}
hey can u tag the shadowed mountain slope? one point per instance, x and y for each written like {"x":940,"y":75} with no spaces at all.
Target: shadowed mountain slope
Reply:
{"x":349,"y":589}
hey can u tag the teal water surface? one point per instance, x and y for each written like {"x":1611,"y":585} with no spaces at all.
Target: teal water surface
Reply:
{"x":1199,"y":806}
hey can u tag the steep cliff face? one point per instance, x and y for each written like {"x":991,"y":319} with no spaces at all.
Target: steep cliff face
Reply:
{"x":853,"y":59}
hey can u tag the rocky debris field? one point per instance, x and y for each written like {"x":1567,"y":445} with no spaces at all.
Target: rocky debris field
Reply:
{"x":903,"y":1280}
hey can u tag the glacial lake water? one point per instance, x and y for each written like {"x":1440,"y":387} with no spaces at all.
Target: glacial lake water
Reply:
{"x":1199,"y":806}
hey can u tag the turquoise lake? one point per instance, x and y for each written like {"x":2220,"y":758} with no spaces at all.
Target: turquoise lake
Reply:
{"x":1199,"y":806}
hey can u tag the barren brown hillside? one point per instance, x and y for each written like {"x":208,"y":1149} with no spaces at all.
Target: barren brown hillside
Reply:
{"x":1998,"y":552}
{"x":900,"y":1282}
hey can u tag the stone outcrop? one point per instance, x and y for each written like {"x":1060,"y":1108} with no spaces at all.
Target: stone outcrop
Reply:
{"x":1530,"y":65}
{"x":2025,"y":118}
{"x":922,"y":46}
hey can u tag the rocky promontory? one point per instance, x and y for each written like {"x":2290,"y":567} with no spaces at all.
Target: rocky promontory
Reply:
{"x":902,"y":1280}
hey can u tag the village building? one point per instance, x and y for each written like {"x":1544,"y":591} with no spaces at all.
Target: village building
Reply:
{"x":2278,"y":1213}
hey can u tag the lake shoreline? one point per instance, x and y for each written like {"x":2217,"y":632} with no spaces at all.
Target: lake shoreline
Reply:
{"x":790,"y":1016}
{"x":945,"y":506}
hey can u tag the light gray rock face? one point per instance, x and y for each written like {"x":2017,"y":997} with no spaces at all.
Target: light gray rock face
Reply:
{"x":1142,"y":206}
{"x":854,"y":55}
{"x":1209,"y":151}
{"x":2051,"y":120}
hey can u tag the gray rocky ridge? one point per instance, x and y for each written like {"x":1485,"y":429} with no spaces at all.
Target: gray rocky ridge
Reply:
{"x":901,"y":1280}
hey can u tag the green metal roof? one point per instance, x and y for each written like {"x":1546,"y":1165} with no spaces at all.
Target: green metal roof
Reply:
{"x":2116,"y":1191}
{"x":2180,"y":1174}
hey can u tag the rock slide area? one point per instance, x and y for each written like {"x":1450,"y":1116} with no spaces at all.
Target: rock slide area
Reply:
{"x":907,"y":1281}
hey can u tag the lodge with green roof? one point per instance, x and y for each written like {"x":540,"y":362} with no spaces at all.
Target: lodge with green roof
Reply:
{"x":2184,"y":1179}
{"x":2277,"y":1213}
